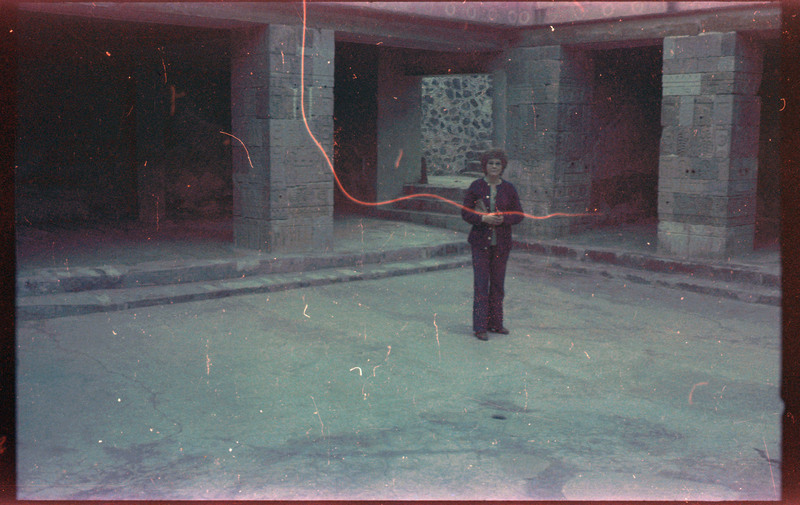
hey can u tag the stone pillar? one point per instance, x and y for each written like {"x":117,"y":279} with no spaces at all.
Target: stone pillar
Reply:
{"x":283,"y":186}
{"x":547,"y":135}
{"x":709,"y":145}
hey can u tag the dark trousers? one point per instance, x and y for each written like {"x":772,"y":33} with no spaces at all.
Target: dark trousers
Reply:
{"x":489,"y":266}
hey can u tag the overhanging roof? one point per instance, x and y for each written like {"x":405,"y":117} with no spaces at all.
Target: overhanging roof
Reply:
{"x":444,"y":26}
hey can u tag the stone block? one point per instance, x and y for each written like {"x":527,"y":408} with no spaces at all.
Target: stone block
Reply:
{"x":691,"y":205}
{"x":669,"y":49}
{"x":672,"y":66}
{"x":702,"y":142}
{"x":284,"y":104}
{"x":748,"y":65}
{"x":290,"y":237}
{"x":741,"y":209}
{"x":723,"y":112}
{"x":240,"y":161}
{"x":312,"y":195}
{"x":670,"y":106}
{"x":318,"y":102}
{"x":253,"y":134}
{"x":744,"y":169}
{"x":713,"y":64}
{"x":686,"y":111}
{"x":542,"y":145}
{"x":320,"y":67}
{"x":721,"y":142}
{"x":669,"y":141}
{"x":520,"y":94}
{"x":681,"y":84}
{"x":745,"y":141}
{"x":690,"y":186}
{"x":543,"y":117}
{"x":701,"y":46}
{"x":703,"y":168}
{"x":703,"y":111}
{"x":261,"y":99}
{"x":683,"y":141}
{"x":723,"y":64}
{"x":671,"y":166}
{"x":253,"y":202}
{"x":528,"y":70}
{"x":740,"y":83}
{"x":546,"y":92}
{"x":690,"y":240}
{"x":251,"y":233}
{"x":288,"y":38}
{"x":747,"y":111}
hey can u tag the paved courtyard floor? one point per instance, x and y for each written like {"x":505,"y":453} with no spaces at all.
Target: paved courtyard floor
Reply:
{"x":378,"y":390}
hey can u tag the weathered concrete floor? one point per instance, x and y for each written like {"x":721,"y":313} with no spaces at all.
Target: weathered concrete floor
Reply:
{"x":377,"y":390}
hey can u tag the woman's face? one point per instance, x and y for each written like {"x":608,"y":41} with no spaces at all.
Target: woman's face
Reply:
{"x":494,"y":167}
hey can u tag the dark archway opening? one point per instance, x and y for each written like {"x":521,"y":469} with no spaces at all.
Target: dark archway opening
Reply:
{"x":99,"y":100}
{"x":355,"y":116}
{"x":768,"y":196}
{"x":627,"y":118}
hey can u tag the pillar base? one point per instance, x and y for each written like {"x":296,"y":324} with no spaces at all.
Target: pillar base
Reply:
{"x":704,"y":241}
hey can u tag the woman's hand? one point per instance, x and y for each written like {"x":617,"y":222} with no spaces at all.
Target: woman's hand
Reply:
{"x":492,"y":219}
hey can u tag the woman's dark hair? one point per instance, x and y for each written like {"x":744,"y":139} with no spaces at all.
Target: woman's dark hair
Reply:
{"x":494,"y":154}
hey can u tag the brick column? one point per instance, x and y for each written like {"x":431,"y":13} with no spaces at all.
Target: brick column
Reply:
{"x":283,"y":202}
{"x":547,"y":135}
{"x":709,"y":145}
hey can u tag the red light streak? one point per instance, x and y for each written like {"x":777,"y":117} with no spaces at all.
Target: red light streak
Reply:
{"x":245,"y":147}
{"x":402,"y":198}
{"x":774,"y":487}
{"x":438,"y":346}
{"x":399,"y":157}
{"x":693,"y":388}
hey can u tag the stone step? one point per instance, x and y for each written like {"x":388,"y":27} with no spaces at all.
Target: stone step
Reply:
{"x":734,"y":290}
{"x":451,"y":193}
{"x":434,"y":205}
{"x":54,"y":305}
{"x":440,"y":220}
{"x":730,"y":273}
{"x":77,"y":279}
{"x":763,"y":284}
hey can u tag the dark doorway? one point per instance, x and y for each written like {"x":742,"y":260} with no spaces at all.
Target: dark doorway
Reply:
{"x":627,"y":118}
{"x":768,"y":196}
{"x":355,"y":115}
{"x":97,"y":100}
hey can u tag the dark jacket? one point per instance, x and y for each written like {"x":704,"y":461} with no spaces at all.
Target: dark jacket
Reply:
{"x":506,"y":199}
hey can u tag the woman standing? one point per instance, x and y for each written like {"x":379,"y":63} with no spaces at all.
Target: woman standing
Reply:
{"x":486,"y":202}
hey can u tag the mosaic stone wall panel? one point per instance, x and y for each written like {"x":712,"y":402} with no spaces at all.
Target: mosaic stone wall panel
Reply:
{"x":456,"y":122}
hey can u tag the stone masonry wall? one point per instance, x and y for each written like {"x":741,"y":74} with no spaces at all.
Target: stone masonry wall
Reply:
{"x":283,"y":188}
{"x":549,"y":139}
{"x":709,"y":145}
{"x":456,"y":122}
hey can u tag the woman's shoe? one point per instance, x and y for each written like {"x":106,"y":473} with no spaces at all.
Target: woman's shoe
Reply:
{"x":502,"y":330}
{"x":481,"y":335}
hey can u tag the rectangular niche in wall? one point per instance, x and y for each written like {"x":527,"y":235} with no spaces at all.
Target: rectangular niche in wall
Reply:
{"x":456,"y":122}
